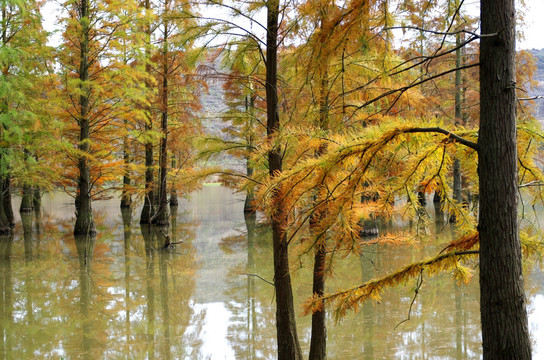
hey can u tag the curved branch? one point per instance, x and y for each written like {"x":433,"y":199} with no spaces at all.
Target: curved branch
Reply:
{"x":448,"y":133}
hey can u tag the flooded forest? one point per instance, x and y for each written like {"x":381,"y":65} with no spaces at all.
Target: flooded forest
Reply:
{"x":318,"y":179}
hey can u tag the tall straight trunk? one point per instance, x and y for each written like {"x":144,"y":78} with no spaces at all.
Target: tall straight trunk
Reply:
{"x":84,"y":215}
{"x":147,"y":209}
{"x":161,"y":217}
{"x":27,"y":219}
{"x":249,"y":205}
{"x":37,"y":198}
{"x":27,"y":205}
{"x":173,"y":194}
{"x":6,"y":200}
{"x":6,"y":216}
{"x":503,"y":312}
{"x":318,"y":342}
{"x":287,"y":337}
{"x":126,"y":198}
{"x":457,"y":196}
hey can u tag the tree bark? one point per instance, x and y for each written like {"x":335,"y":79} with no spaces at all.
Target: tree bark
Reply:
{"x":27,"y":204}
{"x":37,"y":198}
{"x":457,"y":186}
{"x":287,"y":337}
{"x":5,"y":227}
{"x":174,"y":202}
{"x":147,"y":209}
{"x":6,"y":199}
{"x":318,"y":340}
{"x":161,"y":217}
{"x":505,"y":332}
{"x":84,"y":215}
{"x":126,"y":198}
{"x":249,"y":204}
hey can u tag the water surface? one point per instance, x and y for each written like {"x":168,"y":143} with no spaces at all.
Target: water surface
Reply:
{"x":120,"y":296}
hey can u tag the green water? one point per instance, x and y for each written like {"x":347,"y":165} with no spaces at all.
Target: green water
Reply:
{"x":119,"y":297}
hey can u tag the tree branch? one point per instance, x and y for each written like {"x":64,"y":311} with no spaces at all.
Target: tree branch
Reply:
{"x":448,"y":133}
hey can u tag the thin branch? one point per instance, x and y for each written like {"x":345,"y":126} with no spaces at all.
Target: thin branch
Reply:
{"x":531,"y":183}
{"x":419,"y":282}
{"x":407,"y":87}
{"x":260,"y":277}
{"x":537,"y":97}
{"x":450,"y":33}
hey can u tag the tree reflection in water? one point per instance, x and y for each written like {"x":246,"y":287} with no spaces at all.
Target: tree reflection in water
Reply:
{"x":85,"y":249}
{"x":6,"y":297}
{"x":120,"y":296}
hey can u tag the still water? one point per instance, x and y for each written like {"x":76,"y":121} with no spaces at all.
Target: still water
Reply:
{"x":120,"y":297}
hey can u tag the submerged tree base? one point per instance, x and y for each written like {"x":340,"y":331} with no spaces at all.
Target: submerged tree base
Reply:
{"x":126,"y":202}
{"x":84,"y":226}
{"x":27,"y":203}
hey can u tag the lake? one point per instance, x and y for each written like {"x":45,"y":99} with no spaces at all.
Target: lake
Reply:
{"x":120,"y":296}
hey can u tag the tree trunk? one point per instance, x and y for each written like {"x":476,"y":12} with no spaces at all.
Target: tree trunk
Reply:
{"x":249,"y":205}
{"x":318,"y":341}
{"x":27,"y":205}
{"x":147,"y":209}
{"x":173,"y":194}
{"x":174,"y":202}
{"x":8,"y":207}
{"x":126,"y":198}
{"x":422,"y":198}
{"x":505,"y":332}
{"x":457,"y":196}
{"x":84,"y":215}
{"x":37,"y":198}
{"x":161,"y":217}
{"x":287,"y":337}
{"x":5,"y":227}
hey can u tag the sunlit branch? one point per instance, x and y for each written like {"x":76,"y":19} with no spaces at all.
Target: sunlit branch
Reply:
{"x":369,"y":287}
{"x":447,"y":33}
{"x":537,"y":97}
{"x":531,"y":183}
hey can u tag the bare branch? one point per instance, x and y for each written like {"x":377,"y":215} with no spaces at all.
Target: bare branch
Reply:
{"x":260,"y":277}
